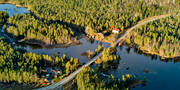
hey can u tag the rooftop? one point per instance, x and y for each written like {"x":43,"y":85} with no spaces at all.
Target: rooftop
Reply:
{"x":115,"y":29}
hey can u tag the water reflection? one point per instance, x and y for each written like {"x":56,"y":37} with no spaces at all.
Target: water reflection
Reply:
{"x":12,"y":9}
{"x":160,"y":73}
{"x":153,"y":57}
{"x":71,"y":51}
{"x":91,"y":40}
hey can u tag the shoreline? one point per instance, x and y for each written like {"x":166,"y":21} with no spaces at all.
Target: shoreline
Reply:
{"x":45,"y":45}
{"x":141,"y":48}
{"x":15,"y":85}
{"x":40,"y":42}
{"x":156,"y":53}
{"x":13,"y":3}
{"x":144,"y":50}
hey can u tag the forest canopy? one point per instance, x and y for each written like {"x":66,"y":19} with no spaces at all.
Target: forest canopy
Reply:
{"x":17,"y":65}
{"x":62,"y":21}
{"x":3,"y":17}
{"x":58,"y":21}
{"x":89,"y":79}
{"x":160,"y":37}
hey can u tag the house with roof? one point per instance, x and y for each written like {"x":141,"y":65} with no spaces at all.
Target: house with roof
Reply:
{"x":115,"y":30}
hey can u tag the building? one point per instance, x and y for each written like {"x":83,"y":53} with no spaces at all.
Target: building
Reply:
{"x":115,"y":30}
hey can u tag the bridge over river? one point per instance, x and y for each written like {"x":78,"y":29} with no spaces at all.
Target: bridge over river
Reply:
{"x":59,"y":85}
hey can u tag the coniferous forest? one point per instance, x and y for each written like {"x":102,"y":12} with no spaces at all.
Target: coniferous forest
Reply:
{"x":58,"y":22}
{"x":64,"y":22}
{"x":19,"y":66}
{"x":160,"y":37}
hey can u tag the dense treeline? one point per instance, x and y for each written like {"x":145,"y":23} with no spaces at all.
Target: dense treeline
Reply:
{"x":159,"y":37}
{"x":61,"y":17}
{"x":13,"y":66}
{"x":89,"y":79}
{"x":18,"y":66}
{"x":3,"y":17}
{"x":30,"y":28}
{"x":58,"y":21}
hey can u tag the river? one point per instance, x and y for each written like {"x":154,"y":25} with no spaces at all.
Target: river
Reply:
{"x":159,"y":74}
{"x":13,"y":10}
{"x":71,"y":51}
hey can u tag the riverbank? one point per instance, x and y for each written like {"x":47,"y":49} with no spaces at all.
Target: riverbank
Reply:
{"x":47,"y":45}
{"x":112,"y":38}
{"x":147,"y":51}
{"x":106,"y":39}
{"x":15,"y":86}
{"x":14,"y":3}
{"x":161,"y":53}
{"x":60,"y":42}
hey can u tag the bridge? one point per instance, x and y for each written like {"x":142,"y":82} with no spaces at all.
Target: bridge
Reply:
{"x":59,"y":85}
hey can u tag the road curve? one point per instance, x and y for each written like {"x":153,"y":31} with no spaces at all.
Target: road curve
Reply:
{"x":58,"y":85}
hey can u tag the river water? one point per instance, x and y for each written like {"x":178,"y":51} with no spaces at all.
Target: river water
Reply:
{"x":13,"y":10}
{"x":159,"y":74}
{"x":71,"y":51}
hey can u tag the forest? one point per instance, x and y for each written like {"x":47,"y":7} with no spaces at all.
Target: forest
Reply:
{"x":26,"y":26}
{"x":89,"y":79}
{"x":59,"y":22}
{"x":16,"y":65}
{"x":108,"y":60}
{"x":3,"y":18}
{"x":160,"y":37}
{"x":63,"y":22}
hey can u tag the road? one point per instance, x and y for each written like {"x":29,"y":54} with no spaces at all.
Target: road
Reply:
{"x":58,"y":85}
